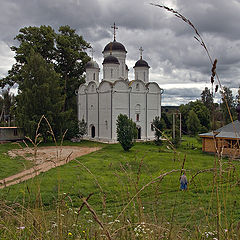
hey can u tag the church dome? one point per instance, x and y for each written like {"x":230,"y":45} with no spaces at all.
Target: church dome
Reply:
{"x":91,"y":64}
{"x":141,"y":63}
{"x":110,"y":59}
{"x":114,"y":46}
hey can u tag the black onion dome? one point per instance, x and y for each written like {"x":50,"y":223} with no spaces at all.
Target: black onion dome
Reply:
{"x":115,"y":46}
{"x":141,"y":63}
{"x":91,"y":64}
{"x":110,"y":59}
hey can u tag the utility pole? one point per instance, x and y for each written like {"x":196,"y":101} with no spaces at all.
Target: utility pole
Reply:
{"x":175,"y":115}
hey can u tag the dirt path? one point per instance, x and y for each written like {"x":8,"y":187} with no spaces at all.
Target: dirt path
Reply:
{"x":45,"y":159}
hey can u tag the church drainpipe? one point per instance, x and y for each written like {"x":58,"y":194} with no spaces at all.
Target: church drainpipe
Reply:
{"x":129,"y":102}
{"x":111,"y":112}
{"x":98,"y":111}
{"x":146,"y":111}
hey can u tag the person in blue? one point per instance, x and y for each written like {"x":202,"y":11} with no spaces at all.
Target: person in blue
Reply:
{"x":183,"y":182}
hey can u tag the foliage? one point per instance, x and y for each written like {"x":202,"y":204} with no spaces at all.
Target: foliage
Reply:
{"x":165,"y":117}
{"x":237,"y":101}
{"x":227,"y":101}
{"x":193,"y":123}
{"x":126,"y":131}
{"x":82,"y":128}
{"x":39,"y":94}
{"x":202,"y":112}
{"x":207,"y":98}
{"x":7,"y":101}
{"x":159,"y":125}
{"x":65,"y":50}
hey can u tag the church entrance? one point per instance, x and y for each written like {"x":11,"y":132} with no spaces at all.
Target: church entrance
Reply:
{"x":92,"y":132}
{"x":138,"y":133}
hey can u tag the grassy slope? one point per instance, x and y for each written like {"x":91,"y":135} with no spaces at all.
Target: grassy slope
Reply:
{"x":8,"y":165}
{"x":108,"y":166}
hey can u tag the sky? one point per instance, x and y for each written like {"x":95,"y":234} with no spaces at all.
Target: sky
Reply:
{"x":179,"y":64}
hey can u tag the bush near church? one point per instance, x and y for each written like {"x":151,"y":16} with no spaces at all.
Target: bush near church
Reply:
{"x":126,"y":131}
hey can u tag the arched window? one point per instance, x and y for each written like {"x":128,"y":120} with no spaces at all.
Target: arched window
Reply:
{"x":137,"y":117}
{"x":137,"y":87}
{"x":94,"y":76}
{"x":138,"y":108}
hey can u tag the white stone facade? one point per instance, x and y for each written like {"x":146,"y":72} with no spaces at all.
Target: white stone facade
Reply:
{"x":100,"y":103}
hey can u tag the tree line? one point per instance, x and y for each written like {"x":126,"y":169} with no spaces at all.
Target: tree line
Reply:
{"x":203,"y":114}
{"x":49,"y":68}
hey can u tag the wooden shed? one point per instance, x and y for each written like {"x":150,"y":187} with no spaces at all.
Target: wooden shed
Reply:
{"x":224,"y":141}
{"x":11,"y":133}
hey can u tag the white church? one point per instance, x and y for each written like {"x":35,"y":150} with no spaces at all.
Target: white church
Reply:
{"x":100,"y":102}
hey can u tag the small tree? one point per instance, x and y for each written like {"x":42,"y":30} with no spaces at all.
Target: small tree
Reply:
{"x":193,"y":123}
{"x":126,"y":131}
{"x":159,"y":125}
{"x":82,"y":128}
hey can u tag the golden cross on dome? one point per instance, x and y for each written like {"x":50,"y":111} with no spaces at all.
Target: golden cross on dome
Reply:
{"x":114,"y":31}
{"x":141,"y":51}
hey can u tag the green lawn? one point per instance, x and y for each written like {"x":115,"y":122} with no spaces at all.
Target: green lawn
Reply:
{"x":8,"y":165}
{"x":116,"y":172}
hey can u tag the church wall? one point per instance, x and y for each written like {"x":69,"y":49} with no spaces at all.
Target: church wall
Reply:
{"x":142,"y":73}
{"x":105,"y":115}
{"x":120,"y":105}
{"x":105,"y":93}
{"x":138,"y":110}
{"x":81,"y":98}
{"x":92,"y":102}
{"x":82,"y":107}
{"x":154,"y":109}
{"x":110,"y":72}
{"x":92,"y":75}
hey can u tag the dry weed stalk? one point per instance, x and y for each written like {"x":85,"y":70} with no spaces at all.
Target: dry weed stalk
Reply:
{"x":96,"y":218}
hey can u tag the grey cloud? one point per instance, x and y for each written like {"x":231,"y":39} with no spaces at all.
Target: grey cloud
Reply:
{"x":169,"y":45}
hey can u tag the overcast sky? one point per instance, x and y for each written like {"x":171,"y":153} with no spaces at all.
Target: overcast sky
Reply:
{"x":178,"y":63}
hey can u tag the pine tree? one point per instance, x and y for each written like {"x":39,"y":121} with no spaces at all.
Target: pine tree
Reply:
{"x":39,"y":94}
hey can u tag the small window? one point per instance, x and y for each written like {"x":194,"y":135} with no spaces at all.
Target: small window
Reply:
{"x":106,"y":124}
{"x":152,"y":127}
{"x":144,"y":76}
{"x":137,"y":87}
{"x":137,"y":117}
{"x":94,"y":76}
{"x":111,"y":73}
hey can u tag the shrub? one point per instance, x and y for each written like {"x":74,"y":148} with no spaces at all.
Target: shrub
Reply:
{"x":126,"y":131}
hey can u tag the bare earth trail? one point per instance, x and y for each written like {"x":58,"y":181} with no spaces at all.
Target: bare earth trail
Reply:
{"x":45,"y":159}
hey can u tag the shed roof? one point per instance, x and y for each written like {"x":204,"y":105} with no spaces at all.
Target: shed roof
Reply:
{"x":231,"y":131}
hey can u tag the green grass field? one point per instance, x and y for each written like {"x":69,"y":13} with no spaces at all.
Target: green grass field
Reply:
{"x":114,"y":176}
